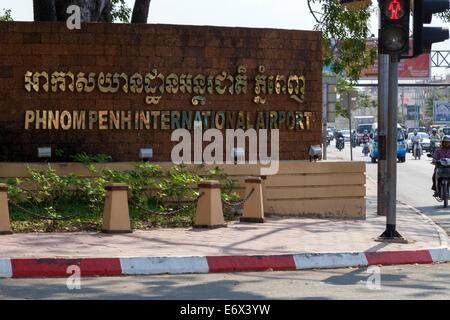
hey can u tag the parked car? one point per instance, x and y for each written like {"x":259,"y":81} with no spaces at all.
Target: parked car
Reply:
{"x":424,"y":141}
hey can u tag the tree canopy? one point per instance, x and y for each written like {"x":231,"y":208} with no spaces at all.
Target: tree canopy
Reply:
{"x":5,"y":15}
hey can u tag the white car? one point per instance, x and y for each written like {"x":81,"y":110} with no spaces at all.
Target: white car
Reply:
{"x":424,"y":141}
{"x":346,"y":134}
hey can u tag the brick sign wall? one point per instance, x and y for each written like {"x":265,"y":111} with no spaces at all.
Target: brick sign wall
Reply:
{"x":116,"y":88}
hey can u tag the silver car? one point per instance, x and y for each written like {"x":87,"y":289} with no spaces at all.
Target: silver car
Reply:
{"x":424,"y":141}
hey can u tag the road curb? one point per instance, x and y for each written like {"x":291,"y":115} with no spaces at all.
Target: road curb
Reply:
{"x":58,"y":267}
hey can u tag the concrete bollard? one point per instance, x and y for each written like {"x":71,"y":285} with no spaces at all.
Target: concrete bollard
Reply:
{"x":5,"y":226}
{"x":264,"y":191}
{"x":116,"y":217}
{"x":254,"y":206}
{"x":209,"y":213}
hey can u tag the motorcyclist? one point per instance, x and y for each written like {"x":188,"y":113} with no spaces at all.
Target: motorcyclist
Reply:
{"x":415,"y":138}
{"x":434,"y":138}
{"x":338,"y":136}
{"x":365,"y":139}
{"x":441,"y":153}
{"x":354,"y":138}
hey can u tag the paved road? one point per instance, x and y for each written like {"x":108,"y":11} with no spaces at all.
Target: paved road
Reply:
{"x":395,"y":283}
{"x":413,"y":183}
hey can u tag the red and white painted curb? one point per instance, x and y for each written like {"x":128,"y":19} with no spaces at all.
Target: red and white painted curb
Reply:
{"x":57,"y":267}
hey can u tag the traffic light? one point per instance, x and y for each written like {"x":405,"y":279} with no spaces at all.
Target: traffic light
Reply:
{"x":424,"y":37}
{"x":393,"y":37}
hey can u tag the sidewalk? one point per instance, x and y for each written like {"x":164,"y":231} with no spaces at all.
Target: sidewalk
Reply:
{"x":280,"y":243}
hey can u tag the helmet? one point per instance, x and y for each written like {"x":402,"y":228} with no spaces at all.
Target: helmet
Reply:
{"x":365,"y":131}
{"x":415,"y":131}
{"x":446,"y":138}
{"x":434,"y":130}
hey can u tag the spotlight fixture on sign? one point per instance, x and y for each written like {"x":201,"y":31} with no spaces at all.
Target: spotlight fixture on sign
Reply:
{"x":145,"y":154}
{"x":238,"y":153}
{"x":45,"y":153}
{"x":314,"y":152}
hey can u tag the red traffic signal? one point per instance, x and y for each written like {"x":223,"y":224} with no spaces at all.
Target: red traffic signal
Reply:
{"x":395,"y":9}
{"x":393,"y":38}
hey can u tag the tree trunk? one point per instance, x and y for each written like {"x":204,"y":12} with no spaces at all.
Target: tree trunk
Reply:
{"x":140,"y":11}
{"x":44,"y":10}
{"x":91,"y":10}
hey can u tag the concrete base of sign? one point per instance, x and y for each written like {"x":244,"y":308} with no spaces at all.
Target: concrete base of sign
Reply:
{"x":322,"y":189}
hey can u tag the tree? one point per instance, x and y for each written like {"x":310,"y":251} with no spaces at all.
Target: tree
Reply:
{"x":140,"y":11}
{"x":6,"y":15}
{"x":344,"y":38}
{"x":91,"y":10}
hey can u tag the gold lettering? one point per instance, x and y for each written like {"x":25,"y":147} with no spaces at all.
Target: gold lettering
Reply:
{"x":231,"y":120}
{"x":53,"y":119}
{"x":240,"y":121}
{"x":199,"y":84}
{"x":220,"y":124}
{"x":280,"y":84}
{"x":79,"y":118}
{"x":136,"y":83}
{"x":308,"y":116}
{"x":66,"y":124}
{"x":29,"y":118}
{"x":102,"y":120}
{"x":155,"y":115}
{"x":93,"y":117}
{"x":240,"y":86}
{"x":186,"y":83}
{"x":114,"y":120}
{"x":172,"y":83}
{"x":41,"y":120}
{"x":83,"y":84}
{"x":260,"y":124}
{"x":125,"y":120}
{"x":58,"y":77}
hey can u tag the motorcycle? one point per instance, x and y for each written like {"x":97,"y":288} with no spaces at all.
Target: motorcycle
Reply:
{"x":340,"y":143}
{"x":417,"y":150}
{"x":353,"y":141}
{"x":443,"y":180}
{"x":366,"y":149}
{"x":434,"y":145}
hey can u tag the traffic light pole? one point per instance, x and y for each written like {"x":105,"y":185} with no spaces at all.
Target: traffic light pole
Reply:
{"x":391,"y":173}
{"x":383,"y":92}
